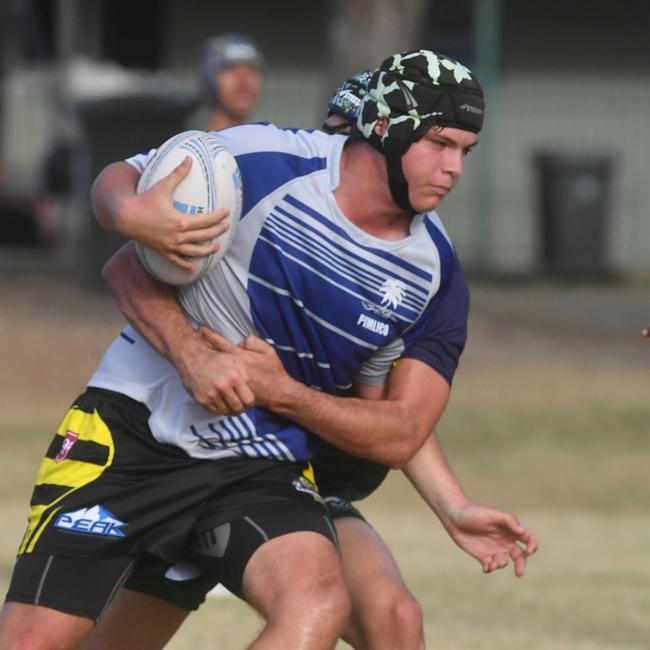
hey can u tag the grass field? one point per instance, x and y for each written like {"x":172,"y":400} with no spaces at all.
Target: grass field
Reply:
{"x":549,"y":418}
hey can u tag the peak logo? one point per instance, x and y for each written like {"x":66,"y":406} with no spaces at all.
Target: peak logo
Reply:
{"x":91,"y":521}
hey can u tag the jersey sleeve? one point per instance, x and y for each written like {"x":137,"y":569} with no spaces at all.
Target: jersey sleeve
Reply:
{"x":441,"y":338}
{"x":438,"y":338}
{"x":375,"y":370}
{"x":141,"y":160}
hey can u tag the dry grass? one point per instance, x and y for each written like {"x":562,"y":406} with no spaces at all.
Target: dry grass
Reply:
{"x":586,"y":589}
{"x":553,"y":426}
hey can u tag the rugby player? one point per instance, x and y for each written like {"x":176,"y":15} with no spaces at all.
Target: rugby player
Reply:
{"x":230,"y":72}
{"x":167,"y":466}
{"x":384,"y":613}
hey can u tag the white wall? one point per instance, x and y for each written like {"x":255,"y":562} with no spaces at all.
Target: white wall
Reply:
{"x":573,"y":114}
{"x":568,"y":114}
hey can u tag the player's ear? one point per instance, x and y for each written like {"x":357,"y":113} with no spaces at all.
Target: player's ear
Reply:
{"x":380,"y":126}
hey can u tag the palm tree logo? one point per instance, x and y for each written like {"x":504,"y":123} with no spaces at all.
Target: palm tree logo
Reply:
{"x":393,"y":292}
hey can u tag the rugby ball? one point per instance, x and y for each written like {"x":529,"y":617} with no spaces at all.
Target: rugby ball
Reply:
{"x":213,"y":182}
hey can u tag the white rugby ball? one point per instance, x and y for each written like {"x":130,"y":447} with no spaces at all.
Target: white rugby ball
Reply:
{"x":213,"y":182}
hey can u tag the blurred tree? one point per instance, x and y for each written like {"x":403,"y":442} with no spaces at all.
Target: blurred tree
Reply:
{"x":362,"y":33}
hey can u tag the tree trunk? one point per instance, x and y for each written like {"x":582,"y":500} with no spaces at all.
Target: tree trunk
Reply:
{"x":362,"y":33}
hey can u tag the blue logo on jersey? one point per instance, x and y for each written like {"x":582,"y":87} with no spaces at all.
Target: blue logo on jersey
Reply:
{"x":91,"y":521}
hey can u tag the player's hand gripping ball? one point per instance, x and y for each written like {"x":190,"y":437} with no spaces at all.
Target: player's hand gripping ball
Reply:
{"x":213,"y":183}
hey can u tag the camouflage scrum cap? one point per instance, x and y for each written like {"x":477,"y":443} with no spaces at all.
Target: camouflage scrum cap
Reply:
{"x":346,"y":100}
{"x":222,"y":51}
{"x":416,"y":90}
{"x":419,"y":88}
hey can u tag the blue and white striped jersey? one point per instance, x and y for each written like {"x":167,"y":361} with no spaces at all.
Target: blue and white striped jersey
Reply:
{"x":337,"y":303}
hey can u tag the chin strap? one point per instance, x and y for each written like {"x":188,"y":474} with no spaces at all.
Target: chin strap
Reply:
{"x":397,"y":183}
{"x":392,"y":151}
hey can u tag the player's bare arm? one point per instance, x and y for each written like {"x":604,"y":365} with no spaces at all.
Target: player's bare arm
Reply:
{"x":215,"y":380}
{"x":150,"y":217}
{"x":388,"y":431}
{"x":491,"y":536}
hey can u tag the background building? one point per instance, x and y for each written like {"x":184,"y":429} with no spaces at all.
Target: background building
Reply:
{"x":571,"y":78}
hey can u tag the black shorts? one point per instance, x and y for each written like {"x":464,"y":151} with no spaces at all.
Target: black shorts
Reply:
{"x":342,"y":475}
{"x":187,"y":583}
{"x":218,"y":554}
{"x":107,"y":493}
{"x":341,"y":478}
{"x":339,"y":507}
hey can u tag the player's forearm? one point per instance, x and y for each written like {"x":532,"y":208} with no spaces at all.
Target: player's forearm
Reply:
{"x":433,"y":478}
{"x":377,"y":430}
{"x":386,"y":428}
{"x":151,"y":308}
{"x":111,"y":193}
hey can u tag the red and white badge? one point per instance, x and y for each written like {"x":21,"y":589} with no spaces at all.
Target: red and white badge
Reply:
{"x":66,"y":445}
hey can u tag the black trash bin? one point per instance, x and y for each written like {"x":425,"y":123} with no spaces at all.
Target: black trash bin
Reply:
{"x":573,"y":202}
{"x":114,"y":129}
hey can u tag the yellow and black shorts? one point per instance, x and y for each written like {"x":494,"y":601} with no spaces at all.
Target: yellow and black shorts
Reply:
{"x":108,"y":495}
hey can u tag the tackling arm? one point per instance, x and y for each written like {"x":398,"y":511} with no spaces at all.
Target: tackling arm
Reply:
{"x":491,"y":536}
{"x":388,"y":430}
{"x":216,"y":380}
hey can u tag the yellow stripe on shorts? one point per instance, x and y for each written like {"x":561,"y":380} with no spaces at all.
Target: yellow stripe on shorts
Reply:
{"x":308,"y":473}
{"x":73,"y":474}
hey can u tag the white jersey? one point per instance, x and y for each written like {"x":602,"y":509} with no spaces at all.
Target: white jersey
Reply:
{"x":336,"y":303}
